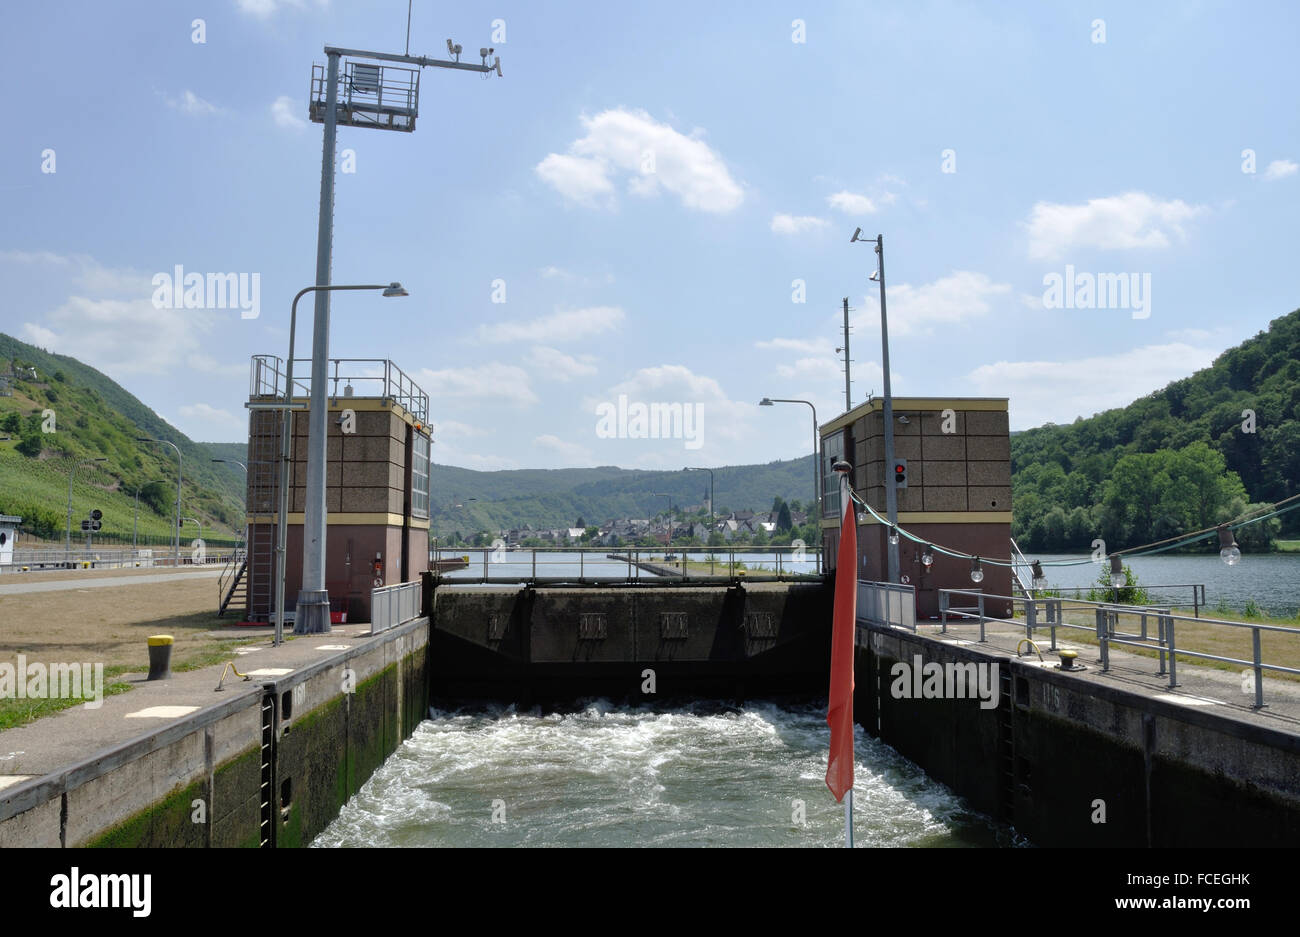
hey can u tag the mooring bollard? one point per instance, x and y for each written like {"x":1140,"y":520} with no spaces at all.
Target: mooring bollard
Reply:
{"x":160,"y":656}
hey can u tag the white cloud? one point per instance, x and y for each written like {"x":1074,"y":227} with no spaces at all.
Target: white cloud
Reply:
{"x":721,"y":417}
{"x":123,"y":336}
{"x":203,"y":421}
{"x":206,"y":364}
{"x":654,"y":156}
{"x":958,"y":297}
{"x":264,"y":9}
{"x":570,"y":453}
{"x":555,"y":365}
{"x":284,"y":111}
{"x":792,"y":224}
{"x":578,"y":179}
{"x":191,"y":103}
{"x":1084,"y":386}
{"x":1117,"y":222}
{"x":457,"y":430}
{"x":851,"y":203}
{"x":807,"y":346}
{"x":559,"y":273}
{"x":492,"y":381}
{"x":564,"y":325}
{"x":1280,"y":169}
{"x":821,"y":367}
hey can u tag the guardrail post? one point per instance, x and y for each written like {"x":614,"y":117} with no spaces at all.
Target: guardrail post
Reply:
{"x":485,"y":562}
{"x":1053,"y":618}
{"x":534,"y":564}
{"x":1259,"y":670}
{"x":943,"y":612}
{"x":981,"y":607}
{"x":1162,"y":630}
{"x":1103,"y":638}
{"x":581,"y":554}
{"x":1173,"y":662}
{"x":1031,"y":617}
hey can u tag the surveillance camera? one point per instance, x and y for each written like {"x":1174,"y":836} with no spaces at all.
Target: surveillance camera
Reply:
{"x":451,"y":49}
{"x":855,"y":235}
{"x":483,"y":53}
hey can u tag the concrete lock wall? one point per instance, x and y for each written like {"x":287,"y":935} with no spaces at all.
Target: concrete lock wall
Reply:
{"x":328,"y":727}
{"x":1055,"y":752}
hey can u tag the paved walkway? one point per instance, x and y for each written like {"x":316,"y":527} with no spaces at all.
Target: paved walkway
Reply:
{"x":130,"y":578}
{"x":1199,"y":686}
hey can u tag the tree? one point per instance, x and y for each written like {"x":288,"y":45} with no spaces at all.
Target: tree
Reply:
{"x":12,"y":423}
{"x":783,"y":521}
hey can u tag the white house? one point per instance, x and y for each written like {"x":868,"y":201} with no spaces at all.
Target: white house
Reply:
{"x":8,"y":534}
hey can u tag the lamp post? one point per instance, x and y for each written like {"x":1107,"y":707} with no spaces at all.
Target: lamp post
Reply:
{"x":891,"y":488}
{"x":67,"y":540}
{"x":668,"y":537}
{"x":243,"y":533}
{"x":690,"y":468}
{"x":817,"y":472}
{"x":135,"y":522}
{"x":177,"y":531}
{"x":313,"y":609}
{"x":198,"y":523}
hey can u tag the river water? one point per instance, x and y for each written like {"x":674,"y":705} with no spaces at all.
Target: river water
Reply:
{"x":708,"y":774}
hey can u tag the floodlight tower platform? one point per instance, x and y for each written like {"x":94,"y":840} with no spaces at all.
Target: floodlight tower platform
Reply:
{"x":382,"y":97}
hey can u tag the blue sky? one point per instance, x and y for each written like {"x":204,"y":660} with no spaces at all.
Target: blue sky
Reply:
{"x":651,"y":185}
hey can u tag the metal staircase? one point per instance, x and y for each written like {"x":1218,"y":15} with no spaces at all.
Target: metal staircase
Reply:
{"x":232,"y":587}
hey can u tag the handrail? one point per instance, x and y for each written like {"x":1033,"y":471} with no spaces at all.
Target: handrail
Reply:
{"x":1106,"y":618}
{"x":394,"y":605}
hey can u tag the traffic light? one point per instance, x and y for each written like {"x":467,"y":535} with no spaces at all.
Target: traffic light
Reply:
{"x":900,"y":473}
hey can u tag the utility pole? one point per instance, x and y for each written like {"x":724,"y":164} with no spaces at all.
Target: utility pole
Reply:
{"x":848,"y":397}
{"x":891,"y":488}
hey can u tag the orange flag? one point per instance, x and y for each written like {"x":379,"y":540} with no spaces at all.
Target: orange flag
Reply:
{"x":839,"y":714}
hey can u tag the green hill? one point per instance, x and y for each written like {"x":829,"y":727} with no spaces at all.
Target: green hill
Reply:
{"x":95,"y":418}
{"x":1197,"y":453}
{"x":559,"y":497}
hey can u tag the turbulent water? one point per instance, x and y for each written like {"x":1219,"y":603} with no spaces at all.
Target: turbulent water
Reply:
{"x":700,"y":775}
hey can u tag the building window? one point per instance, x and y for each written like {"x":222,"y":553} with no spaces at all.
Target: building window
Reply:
{"x":420,"y":476}
{"x":832,"y":452}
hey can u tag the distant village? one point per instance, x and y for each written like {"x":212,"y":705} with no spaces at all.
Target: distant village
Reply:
{"x":688,"y":526}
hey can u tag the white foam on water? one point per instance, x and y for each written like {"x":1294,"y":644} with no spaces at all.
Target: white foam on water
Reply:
{"x":704,"y":774}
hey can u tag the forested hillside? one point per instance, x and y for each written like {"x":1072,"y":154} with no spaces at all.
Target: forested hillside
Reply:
{"x":1201,"y":451}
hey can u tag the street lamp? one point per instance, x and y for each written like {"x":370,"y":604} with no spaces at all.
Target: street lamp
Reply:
{"x":668,"y":537}
{"x":891,"y":488}
{"x":313,"y":610}
{"x":243,"y":534}
{"x":177,"y":548}
{"x":817,"y":473}
{"x":67,"y":541}
{"x":198,"y":523}
{"x":691,"y":468}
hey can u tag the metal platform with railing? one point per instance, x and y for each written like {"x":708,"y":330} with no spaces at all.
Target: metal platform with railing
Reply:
{"x":371,"y":378}
{"x":368,"y":94}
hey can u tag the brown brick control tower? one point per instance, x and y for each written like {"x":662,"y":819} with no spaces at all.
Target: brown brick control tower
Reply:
{"x":377,"y":483}
{"x":958,"y":494}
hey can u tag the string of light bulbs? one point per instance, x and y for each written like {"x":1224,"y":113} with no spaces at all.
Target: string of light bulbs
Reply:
{"x":1229,"y":552}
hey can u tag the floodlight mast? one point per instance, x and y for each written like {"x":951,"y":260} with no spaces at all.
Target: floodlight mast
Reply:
{"x":313,"y":599}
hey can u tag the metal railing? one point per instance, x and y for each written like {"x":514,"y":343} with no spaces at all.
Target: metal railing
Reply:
{"x":1049,"y":614}
{"x":362,"y":377}
{"x":606,"y":565}
{"x":32,"y":560}
{"x":393,"y":605}
{"x":887,"y":603}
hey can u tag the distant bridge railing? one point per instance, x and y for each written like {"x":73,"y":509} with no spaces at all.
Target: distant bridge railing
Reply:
{"x":606,"y":565}
{"x":1154,"y":628}
{"x":393,"y":605}
{"x":33,"y":560}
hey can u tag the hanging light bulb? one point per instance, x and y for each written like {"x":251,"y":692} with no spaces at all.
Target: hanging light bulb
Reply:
{"x":1229,"y":552}
{"x":1040,"y":578}
{"x":976,"y":571}
{"x":1117,"y":577}
{"x":927,"y":555}
{"x":893,"y":535}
